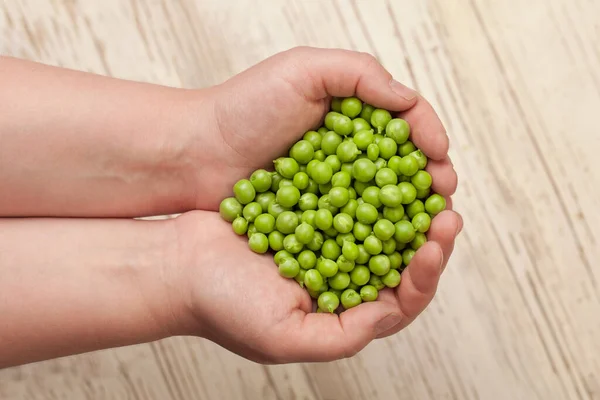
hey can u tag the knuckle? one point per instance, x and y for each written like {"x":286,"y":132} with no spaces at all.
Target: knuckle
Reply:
{"x":368,"y":60}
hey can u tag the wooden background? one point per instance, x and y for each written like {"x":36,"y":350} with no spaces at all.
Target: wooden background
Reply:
{"x":518,"y":86}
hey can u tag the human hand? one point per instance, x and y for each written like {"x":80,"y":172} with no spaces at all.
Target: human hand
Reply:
{"x":238,"y":300}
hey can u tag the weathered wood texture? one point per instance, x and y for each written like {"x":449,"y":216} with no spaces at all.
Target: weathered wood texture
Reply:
{"x":518,"y":87}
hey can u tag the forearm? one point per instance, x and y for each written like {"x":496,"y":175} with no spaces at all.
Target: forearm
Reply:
{"x":77,"y":144}
{"x":72,"y":286}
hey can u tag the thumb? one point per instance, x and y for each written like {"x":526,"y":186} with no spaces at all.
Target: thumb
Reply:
{"x":342,"y":73}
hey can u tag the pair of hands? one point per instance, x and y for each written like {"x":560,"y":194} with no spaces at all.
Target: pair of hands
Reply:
{"x":235,"y":297}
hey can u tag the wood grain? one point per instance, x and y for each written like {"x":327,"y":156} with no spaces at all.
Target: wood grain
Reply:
{"x":518,"y":87}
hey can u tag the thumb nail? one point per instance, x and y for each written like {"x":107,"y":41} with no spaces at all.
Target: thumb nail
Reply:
{"x":386,"y":323}
{"x":403,"y":91}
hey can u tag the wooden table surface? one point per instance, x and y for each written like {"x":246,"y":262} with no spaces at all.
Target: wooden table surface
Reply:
{"x":518,"y":86}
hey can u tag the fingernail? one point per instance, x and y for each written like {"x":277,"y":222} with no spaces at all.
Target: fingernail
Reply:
{"x":403,"y":91}
{"x":388,"y":322}
{"x":459,"y":228}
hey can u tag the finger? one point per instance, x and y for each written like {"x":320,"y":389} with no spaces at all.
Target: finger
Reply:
{"x":449,"y":203}
{"x":327,"y":337}
{"x":342,"y":73}
{"x":427,"y":131}
{"x":445,"y":179}
{"x":444,"y":229}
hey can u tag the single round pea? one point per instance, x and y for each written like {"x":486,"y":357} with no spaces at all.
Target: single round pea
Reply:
{"x":341,"y":179}
{"x":265,"y":199}
{"x":350,"y":250}
{"x":373,"y":152}
{"x":343,"y":237}
{"x":322,"y":130}
{"x":368,"y":293}
{"x":265,"y":223}
{"x":292,"y":244}
{"x":366,"y":214}
{"x":421,"y":180}
{"x":244,"y":191}
{"x":415,"y":208}
{"x":251,"y":230}
{"x":347,"y":152}
{"x":361,"y":186}
{"x":330,"y":118}
{"x":377,"y":137}
{"x":394,"y":164}
{"x":334,"y":162}
{"x":389,"y":246}
{"x":392,"y":278}
{"x":373,"y":245}
{"x":409,"y":192}
{"x":230,"y":209}
{"x":350,"y":208}
{"x":393,"y":214}
{"x":320,"y":155}
{"x":408,"y":166}
{"x":387,"y":148}
{"x":343,"y":125}
{"x":419,"y":240}
{"x":308,"y":201}
{"x":301,"y":180}
{"x":326,"y":267}
{"x":405,"y":232}
{"x":398,"y":129}
{"x":251,"y":211}
{"x":317,"y":242}
{"x":302,"y":151}
{"x":289,"y":268}
{"x":384,"y":229}
{"x":331,"y":249}
{"x":375,"y":281}
{"x":347,"y":168}
{"x":258,"y":243}
{"x":314,"y":138}
{"x":276,"y":240}
{"x":407,"y":256}
{"x":350,"y":298}
{"x":286,"y":222}
{"x":380,"y":118}
{"x":323,"y":219}
{"x":338,"y":197}
{"x":325,"y":203}
{"x":288,"y":196}
{"x":275,"y":209}
{"x":286,"y":167}
{"x":339,"y":281}
{"x":309,"y":167}
{"x":395,"y":260}
{"x":307,"y":259}
{"x":371,"y":196}
{"x":351,"y":107}
{"x":304,"y":233}
{"x":300,"y":277}
{"x":364,"y":170}
{"x":367,"y":112}
{"x":328,"y":302}
{"x":360,"y":124}
{"x":363,"y":255}
{"x":285,"y":182}
{"x":423,"y":193}
{"x":322,"y":173}
{"x":363,"y":139}
{"x":361,"y":231}
{"x":261,"y":180}
{"x":313,"y":280}
{"x":421,"y":222}
{"x":240,"y":226}
{"x":386,"y":176}
{"x":435,"y":204}
{"x":420,"y":157}
{"x":379,"y":264}
{"x":308,"y":216}
{"x":345,"y":265}
{"x":336,"y":104}
{"x":324,"y":189}
{"x":281,"y":255}
{"x":391,"y":195}
{"x":406,"y":148}
{"x":330,"y":143}
{"x":313,"y":187}
{"x":380,"y":163}
{"x":343,"y":223}
{"x":360,"y":275}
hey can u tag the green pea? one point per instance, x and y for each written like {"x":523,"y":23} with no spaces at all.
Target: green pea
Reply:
{"x":338,"y":196}
{"x":421,"y":180}
{"x":331,"y":249}
{"x":347,"y":152}
{"x":244,"y":191}
{"x":350,"y":208}
{"x":301,"y":180}
{"x":385,"y":176}
{"x":326,"y":267}
{"x":288,"y":196}
{"x":360,"y":275}
{"x":393,"y":214}
{"x":408,"y":166}
{"x":347,"y":168}
{"x":375,"y":281}
{"x":353,"y":286}
{"x":286,"y":222}
{"x":394,"y":164}
{"x":343,"y":125}
{"x":405,"y":232}
{"x":320,"y":155}
{"x":345,"y":265}
{"x":282,"y":255}
{"x":389,"y":246}
{"x":419,"y":240}
{"x":331,"y":233}
{"x":367,"y":112}
{"x":302,"y":151}
{"x":395,"y":260}
{"x":304,"y":233}
{"x":251,"y":211}
{"x":421,"y":222}
{"x":414,"y":208}
{"x":435,"y":204}
{"x":324,"y":219}
{"x":391,"y":195}
{"x":366,"y":214}
{"x":313,"y":280}
{"x":261,"y":180}
{"x":276,"y":240}
{"x":398,"y":129}
{"x":384,"y":229}
{"x":379,"y":264}
{"x":363,"y":255}
{"x":392,"y":278}
{"x":258,"y":243}
{"x":339,"y":281}
{"x":325,"y":203}
{"x":336,"y":104}
{"x":343,"y":223}
{"x":325,"y":188}
{"x":251,"y":230}
{"x":322,"y":173}
{"x":308,"y":201}
{"x":275,"y":209}
{"x":341,"y":179}
{"x":373,"y":152}
{"x":240,"y":226}
{"x":377,"y":138}
{"x":264,"y":199}
{"x":361,"y":231}
{"x":407,"y":256}
{"x":314,"y":138}
{"x":312,"y":187}
{"x":371,"y":196}
{"x":406,"y":148}
{"x":289,"y":268}
{"x":300,"y":277}
{"x":368,"y":293}
{"x":380,"y":163}
{"x":420,"y":157}
{"x":380,"y":118}
{"x":387,"y":148}
{"x":361,"y":186}
{"x":286,"y":167}
{"x":423,"y":193}
{"x":409,"y":192}
{"x":330,"y":118}
{"x":343,"y":237}
{"x":307,"y":259}
{"x":317,"y":242}
{"x":373,"y":245}
{"x":330,"y":142}
{"x":363,"y":139}
{"x":350,"y":250}
{"x":264,"y":223}
{"x":334,"y":162}
{"x":292,"y":244}
{"x":230,"y":209}
{"x":328,"y":302}
{"x":351,"y":107}
{"x":364,"y":170}
{"x":360,"y":124}
{"x":285,"y":182}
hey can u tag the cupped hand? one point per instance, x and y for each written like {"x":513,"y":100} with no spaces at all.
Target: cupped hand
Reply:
{"x":238,"y":300}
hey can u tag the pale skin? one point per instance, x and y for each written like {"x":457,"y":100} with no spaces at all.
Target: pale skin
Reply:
{"x":79,"y":145}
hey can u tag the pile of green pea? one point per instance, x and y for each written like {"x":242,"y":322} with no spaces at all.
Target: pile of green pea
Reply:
{"x":345,"y":211}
